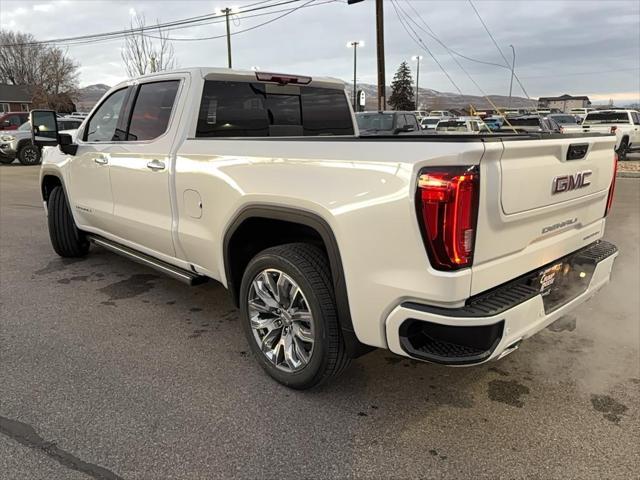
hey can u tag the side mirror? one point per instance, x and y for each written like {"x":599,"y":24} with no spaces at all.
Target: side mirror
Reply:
{"x":6,"y":123}
{"x":66,"y":144}
{"x":44,"y":128}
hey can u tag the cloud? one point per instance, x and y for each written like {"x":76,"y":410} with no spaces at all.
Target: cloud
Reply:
{"x":553,"y":41}
{"x":43,"y":7}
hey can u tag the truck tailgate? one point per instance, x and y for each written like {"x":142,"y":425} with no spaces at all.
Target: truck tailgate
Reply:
{"x":537,"y":204}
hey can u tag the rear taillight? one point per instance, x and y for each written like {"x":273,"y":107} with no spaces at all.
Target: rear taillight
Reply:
{"x":612,"y":187}
{"x":447,"y":203}
{"x":613,"y":130}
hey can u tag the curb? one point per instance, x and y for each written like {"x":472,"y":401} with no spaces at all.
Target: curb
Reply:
{"x":628,"y":175}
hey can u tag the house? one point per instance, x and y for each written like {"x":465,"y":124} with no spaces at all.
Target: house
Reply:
{"x":14,"y":98}
{"x":564,"y":102}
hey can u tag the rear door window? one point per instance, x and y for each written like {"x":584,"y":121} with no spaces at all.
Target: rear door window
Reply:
{"x":244,"y":109}
{"x":152,"y":110}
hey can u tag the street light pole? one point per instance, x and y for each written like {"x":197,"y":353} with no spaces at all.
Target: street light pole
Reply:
{"x":513,"y":66}
{"x":417,"y":58}
{"x":355,"y":46}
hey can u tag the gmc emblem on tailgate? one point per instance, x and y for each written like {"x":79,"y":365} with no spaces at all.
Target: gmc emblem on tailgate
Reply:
{"x":566,"y":183}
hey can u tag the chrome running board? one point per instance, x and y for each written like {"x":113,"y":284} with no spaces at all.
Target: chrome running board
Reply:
{"x":185,"y":276}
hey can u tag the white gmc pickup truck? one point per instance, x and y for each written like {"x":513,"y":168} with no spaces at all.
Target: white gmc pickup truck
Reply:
{"x":447,"y":249}
{"x":624,"y":124}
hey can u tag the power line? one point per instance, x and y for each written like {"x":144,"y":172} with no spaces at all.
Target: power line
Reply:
{"x":498,"y":47}
{"x":421,"y":44}
{"x":433,"y":35}
{"x":288,"y":12}
{"x":486,"y":96}
{"x":120,"y":33}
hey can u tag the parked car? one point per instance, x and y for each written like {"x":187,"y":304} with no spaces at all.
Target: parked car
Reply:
{"x":581,"y":112}
{"x":440,"y":113}
{"x":420,"y":114}
{"x":532,"y":124}
{"x":429,"y":123}
{"x":494,"y":123}
{"x":625,"y":124}
{"x":387,"y":123}
{"x":449,"y":250}
{"x":17,"y":143}
{"x":12,"y":120}
{"x":462,"y":125}
{"x":567,"y":123}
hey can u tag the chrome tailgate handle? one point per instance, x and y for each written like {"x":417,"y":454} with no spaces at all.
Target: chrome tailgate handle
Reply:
{"x":155,"y":165}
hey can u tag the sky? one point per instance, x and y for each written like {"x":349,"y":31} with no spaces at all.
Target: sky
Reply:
{"x":578,"y":47}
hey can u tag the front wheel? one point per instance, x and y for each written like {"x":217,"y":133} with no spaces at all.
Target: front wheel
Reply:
{"x":6,"y":160}
{"x":65,"y":237}
{"x":289,"y":315}
{"x":29,"y":155}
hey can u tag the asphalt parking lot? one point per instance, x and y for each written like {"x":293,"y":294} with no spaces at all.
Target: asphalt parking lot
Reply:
{"x":110,"y":371}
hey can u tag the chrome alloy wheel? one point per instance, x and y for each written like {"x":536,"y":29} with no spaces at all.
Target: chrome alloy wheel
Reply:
{"x":281,"y":320}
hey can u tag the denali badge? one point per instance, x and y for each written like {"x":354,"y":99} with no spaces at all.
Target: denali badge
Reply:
{"x":566,"y":183}
{"x":556,"y":226}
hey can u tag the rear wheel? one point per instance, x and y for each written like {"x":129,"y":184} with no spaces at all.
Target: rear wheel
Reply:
{"x":29,"y":154}
{"x":65,"y":237}
{"x":289,"y":315}
{"x":623,"y":149}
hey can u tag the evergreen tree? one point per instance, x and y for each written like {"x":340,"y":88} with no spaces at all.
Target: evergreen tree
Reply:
{"x":402,"y":89}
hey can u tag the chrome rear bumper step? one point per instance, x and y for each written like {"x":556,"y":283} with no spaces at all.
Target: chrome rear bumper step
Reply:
{"x":185,"y":276}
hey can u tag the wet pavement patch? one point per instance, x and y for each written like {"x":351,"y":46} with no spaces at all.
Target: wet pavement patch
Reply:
{"x":58,"y":264}
{"x":610,"y":407}
{"x":566,"y":323}
{"x":27,"y":436}
{"x":507,"y":391}
{"x":131,"y":287}
{"x":76,"y":278}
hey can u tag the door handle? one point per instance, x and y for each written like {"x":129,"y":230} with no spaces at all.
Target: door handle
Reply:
{"x":155,"y":165}
{"x":101,"y":160}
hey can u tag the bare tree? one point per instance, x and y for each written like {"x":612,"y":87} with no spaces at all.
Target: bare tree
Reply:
{"x":48,"y":71}
{"x":146,"y":51}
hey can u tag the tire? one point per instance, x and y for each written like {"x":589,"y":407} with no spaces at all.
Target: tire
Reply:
{"x":6,"y":160}
{"x":623,"y":149}
{"x":65,"y":237}
{"x":306,"y":267}
{"x":29,"y":154}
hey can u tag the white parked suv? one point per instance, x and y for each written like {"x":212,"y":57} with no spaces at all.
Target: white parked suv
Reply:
{"x":446,"y":249}
{"x":625,"y":124}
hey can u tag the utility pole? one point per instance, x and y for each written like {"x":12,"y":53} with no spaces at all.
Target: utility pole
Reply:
{"x":227,"y":11}
{"x":382,"y":101}
{"x":355,"y":46}
{"x":513,"y":66}
{"x":417,"y":58}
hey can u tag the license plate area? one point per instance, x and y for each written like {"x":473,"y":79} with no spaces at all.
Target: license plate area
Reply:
{"x":562,"y":281}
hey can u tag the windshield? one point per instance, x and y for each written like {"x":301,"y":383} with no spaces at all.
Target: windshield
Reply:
{"x":375,"y":121}
{"x":25,"y":126}
{"x":607,"y":117}
{"x":564,"y":119}
{"x":525,"y":122}
{"x":430,"y":121}
{"x":452,"y":126}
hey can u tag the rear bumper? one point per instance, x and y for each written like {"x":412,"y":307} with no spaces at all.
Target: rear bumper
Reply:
{"x":491,"y":325}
